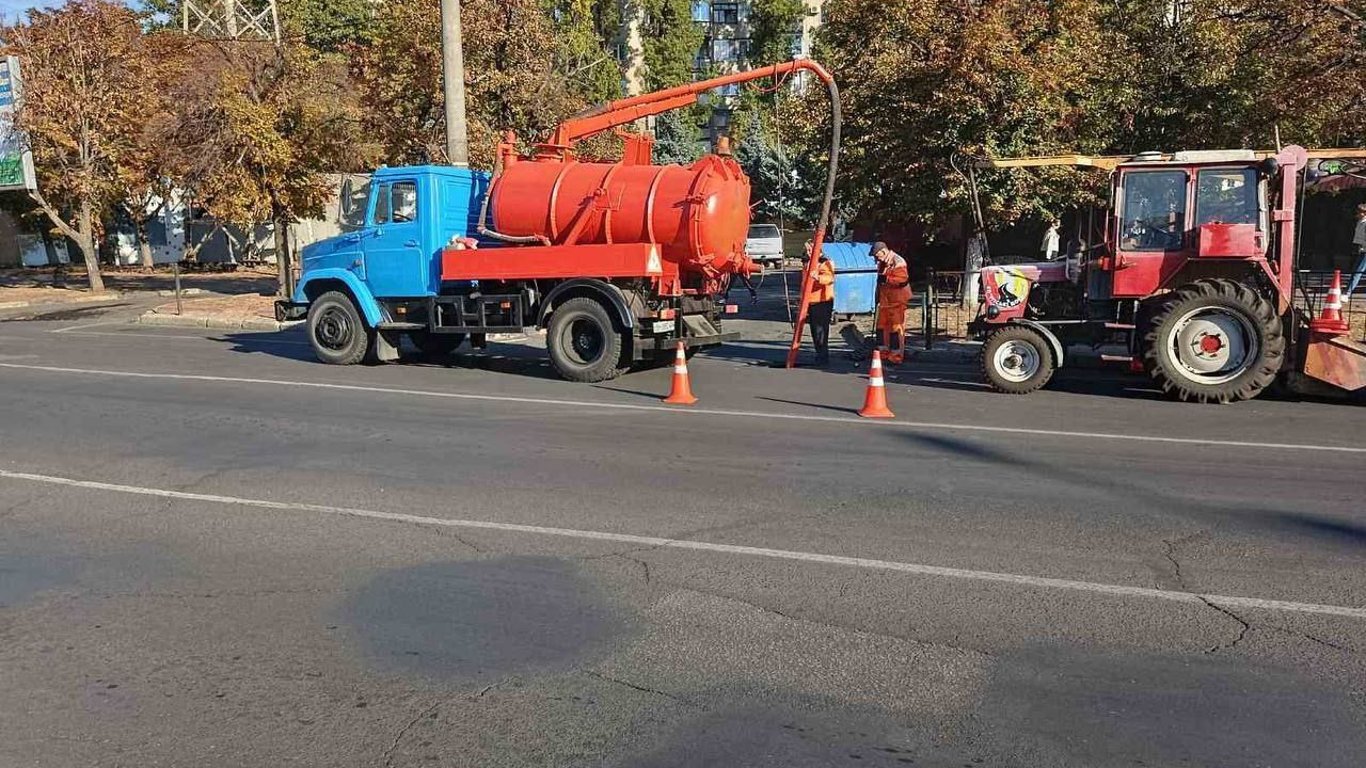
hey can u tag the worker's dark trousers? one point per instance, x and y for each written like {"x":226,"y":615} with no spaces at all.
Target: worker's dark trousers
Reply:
{"x":819,"y":316}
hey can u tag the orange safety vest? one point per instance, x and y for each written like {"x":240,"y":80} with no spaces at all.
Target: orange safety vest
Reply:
{"x":894,"y":289}
{"x":822,"y":286}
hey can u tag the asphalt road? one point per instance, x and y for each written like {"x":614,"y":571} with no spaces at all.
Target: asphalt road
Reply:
{"x":216,"y":551}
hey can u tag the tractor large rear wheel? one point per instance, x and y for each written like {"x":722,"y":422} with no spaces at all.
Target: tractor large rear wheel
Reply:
{"x":1214,"y":341}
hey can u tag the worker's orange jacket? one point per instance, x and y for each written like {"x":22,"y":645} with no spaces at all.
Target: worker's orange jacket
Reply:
{"x":894,"y":283}
{"x":822,"y":286}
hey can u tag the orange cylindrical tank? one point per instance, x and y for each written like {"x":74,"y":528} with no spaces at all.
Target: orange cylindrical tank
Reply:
{"x":699,"y":215}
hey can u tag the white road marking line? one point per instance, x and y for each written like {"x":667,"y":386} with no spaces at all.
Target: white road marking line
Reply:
{"x":1041,"y":582}
{"x":848,"y":420}
{"x":71,"y":328}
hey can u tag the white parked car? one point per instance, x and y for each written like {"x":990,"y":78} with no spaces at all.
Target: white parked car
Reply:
{"x":764,"y":245}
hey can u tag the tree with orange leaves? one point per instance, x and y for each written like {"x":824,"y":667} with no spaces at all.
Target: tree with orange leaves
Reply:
{"x":88,"y":74}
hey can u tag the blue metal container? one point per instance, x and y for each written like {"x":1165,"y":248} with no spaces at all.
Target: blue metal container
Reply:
{"x":855,"y":277}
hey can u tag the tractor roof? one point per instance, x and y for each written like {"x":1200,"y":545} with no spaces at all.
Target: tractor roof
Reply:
{"x":1190,"y":157}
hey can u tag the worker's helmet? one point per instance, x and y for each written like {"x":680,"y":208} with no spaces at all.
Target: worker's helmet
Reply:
{"x":878,"y":247}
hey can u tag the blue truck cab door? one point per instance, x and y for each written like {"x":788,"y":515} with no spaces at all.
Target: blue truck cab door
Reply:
{"x":396,"y":262}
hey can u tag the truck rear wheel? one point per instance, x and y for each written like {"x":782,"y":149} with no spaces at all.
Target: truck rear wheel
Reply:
{"x":1017,"y":360}
{"x":337,"y":331}
{"x":583,"y":342}
{"x":1214,"y":341}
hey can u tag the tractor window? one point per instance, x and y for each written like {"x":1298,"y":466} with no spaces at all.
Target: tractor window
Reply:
{"x":1154,"y":211}
{"x":1227,"y":196}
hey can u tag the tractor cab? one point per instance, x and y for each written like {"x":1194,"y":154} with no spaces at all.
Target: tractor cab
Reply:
{"x":1172,"y":214}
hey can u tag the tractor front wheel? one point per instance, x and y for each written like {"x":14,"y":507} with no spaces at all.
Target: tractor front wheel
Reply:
{"x":1017,"y":360}
{"x":1214,"y":341}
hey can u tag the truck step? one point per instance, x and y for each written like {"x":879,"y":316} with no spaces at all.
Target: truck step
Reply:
{"x":397,"y":326}
{"x":1121,"y":326}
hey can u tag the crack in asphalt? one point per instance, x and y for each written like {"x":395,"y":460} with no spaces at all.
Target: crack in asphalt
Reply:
{"x":1176,"y":564}
{"x":398,"y":737}
{"x":1242,"y":633}
{"x":1170,"y":554}
{"x":966,"y":650}
{"x":640,"y":688}
{"x":445,"y":531}
{"x":645,"y":566}
{"x":1313,"y":639}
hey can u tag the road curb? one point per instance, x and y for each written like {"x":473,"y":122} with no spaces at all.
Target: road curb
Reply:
{"x":215,"y":322}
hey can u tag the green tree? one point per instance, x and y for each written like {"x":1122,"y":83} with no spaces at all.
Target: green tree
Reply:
{"x":511,"y":84}
{"x":924,"y":80}
{"x":773,"y":27}
{"x":770,"y":167}
{"x":586,"y":32}
{"x":677,"y":138}
{"x":671,"y":41}
{"x":85,"y":67}
{"x":328,"y":25}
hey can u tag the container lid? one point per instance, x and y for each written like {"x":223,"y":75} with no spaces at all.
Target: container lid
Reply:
{"x":850,"y":257}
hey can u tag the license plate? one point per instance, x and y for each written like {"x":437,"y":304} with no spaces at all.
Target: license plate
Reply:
{"x":663,"y":326}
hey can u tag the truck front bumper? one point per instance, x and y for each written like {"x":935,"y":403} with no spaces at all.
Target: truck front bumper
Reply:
{"x":286,"y":310}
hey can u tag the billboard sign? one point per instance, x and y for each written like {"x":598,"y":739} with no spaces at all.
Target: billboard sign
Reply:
{"x":16,"y":162}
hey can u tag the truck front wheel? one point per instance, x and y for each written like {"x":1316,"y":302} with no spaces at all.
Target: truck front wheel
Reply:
{"x":337,"y":331}
{"x":583,"y":342}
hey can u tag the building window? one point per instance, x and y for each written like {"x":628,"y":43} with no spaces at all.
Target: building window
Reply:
{"x":701,"y":10}
{"x":725,"y":13}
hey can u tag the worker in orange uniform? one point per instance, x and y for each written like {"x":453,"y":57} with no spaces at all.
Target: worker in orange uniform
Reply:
{"x":820,"y":307}
{"x":893,"y":294}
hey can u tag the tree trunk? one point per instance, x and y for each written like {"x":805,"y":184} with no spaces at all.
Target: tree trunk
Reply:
{"x":85,"y":227}
{"x":144,"y":247}
{"x":283,"y":261}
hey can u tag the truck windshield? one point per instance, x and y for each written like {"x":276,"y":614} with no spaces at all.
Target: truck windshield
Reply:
{"x":1226,"y":195}
{"x":1154,"y":211}
{"x":355,"y":193}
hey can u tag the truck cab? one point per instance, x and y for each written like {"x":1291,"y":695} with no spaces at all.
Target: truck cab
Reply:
{"x":381,"y":281}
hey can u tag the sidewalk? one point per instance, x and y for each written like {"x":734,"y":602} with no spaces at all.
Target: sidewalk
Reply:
{"x":34,"y":296}
{"x":248,"y":311}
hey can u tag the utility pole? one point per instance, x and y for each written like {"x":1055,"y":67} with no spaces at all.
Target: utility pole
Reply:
{"x":453,"y":77}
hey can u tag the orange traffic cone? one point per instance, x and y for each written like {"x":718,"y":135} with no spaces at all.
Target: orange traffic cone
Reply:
{"x":1330,"y":320}
{"x":681,"y":391}
{"x":875,"y":399}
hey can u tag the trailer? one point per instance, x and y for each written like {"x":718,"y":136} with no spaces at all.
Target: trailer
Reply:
{"x":618,"y":262}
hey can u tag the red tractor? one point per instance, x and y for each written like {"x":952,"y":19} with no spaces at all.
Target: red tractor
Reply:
{"x":1196,"y":277}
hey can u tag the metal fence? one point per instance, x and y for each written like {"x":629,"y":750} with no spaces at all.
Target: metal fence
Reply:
{"x":939,"y":310}
{"x":1311,"y":291}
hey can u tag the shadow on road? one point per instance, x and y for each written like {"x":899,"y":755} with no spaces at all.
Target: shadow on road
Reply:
{"x":1158,"y":505}
{"x":65,"y":313}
